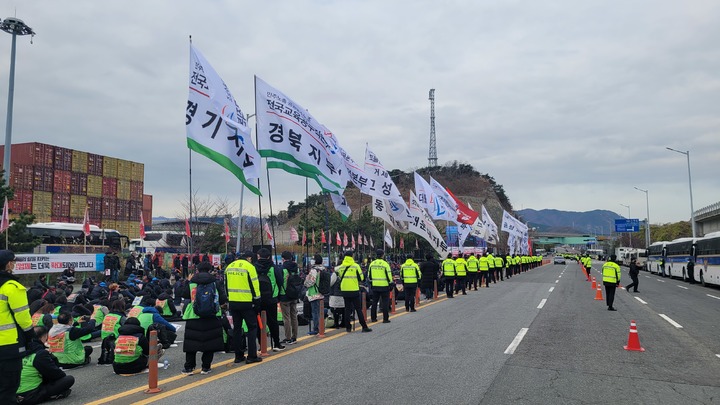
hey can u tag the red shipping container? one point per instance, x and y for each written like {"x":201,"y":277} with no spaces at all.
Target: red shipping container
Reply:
{"x":60,"y":204}
{"x":43,"y":179}
{"x":63,"y":159}
{"x":20,"y":154}
{"x":109,"y":209}
{"x":78,"y":183}
{"x":95,"y":208}
{"x":147,"y":202}
{"x":95,"y":164}
{"x":109,"y":187}
{"x":44,"y":155}
{"x":61,"y":179}
{"x":147,"y":215}
{"x":136,"y":191}
{"x":21,"y":202}
{"x":22,"y":177}
{"x":123,"y":210}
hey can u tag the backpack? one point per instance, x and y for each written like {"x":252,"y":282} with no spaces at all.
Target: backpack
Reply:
{"x":206,"y":301}
{"x":294,"y":287}
{"x":324,"y":282}
{"x":107,"y":351}
{"x":266,"y":282}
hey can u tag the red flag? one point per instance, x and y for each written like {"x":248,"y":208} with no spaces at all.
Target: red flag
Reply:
{"x":353,"y":241}
{"x":304,"y":241}
{"x":338,"y":242}
{"x":402,"y":243}
{"x":187,"y":228}
{"x":359,"y":239}
{"x":266,"y":227}
{"x":345,"y":239}
{"x":465,"y":214}
{"x":322,"y":236}
{"x":86,"y":221}
{"x":5,"y":223}
{"x":227,"y":231}
{"x":293,"y":235}
{"x":142,"y":226}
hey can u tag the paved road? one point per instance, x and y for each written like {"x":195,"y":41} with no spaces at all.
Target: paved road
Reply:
{"x":462,"y":350}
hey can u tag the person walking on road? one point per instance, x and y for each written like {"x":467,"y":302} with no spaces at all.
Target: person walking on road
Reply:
{"x":244,"y":302}
{"x":634,"y":272}
{"x":380,"y":282}
{"x":691,"y":271}
{"x":410,"y":273}
{"x":611,"y":279}
{"x":350,"y":276}
{"x":448,"y":267}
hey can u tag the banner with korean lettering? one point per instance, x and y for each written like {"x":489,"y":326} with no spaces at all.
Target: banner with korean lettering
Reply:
{"x":56,"y":263}
{"x":422,"y":224}
{"x":491,"y":229}
{"x":341,"y":205}
{"x":441,"y":193}
{"x":291,"y":139}
{"x":380,"y":181}
{"x":382,"y":210}
{"x":435,"y":206}
{"x":512,"y":225}
{"x":216,"y":127}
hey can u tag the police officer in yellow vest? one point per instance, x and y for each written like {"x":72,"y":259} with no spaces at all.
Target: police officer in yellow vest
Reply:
{"x":448,"y":268}
{"x":508,"y":266}
{"x":350,"y":276}
{"x":484,"y":270}
{"x":491,"y":266}
{"x":460,"y":274}
{"x":410,"y":274}
{"x":473,"y":266}
{"x":381,"y":281}
{"x":611,"y":279}
{"x":244,"y":301}
{"x":499,"y":267}
{"x":15,"y":328}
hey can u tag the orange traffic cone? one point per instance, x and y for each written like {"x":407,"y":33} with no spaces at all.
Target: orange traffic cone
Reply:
{"x":598,"y":294}
{"x":594,"y":286}
{"x":633,"y":339}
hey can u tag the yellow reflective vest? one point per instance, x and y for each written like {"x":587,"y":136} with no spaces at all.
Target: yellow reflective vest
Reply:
{"x":611,"y":272}
{"x":351,"y":275}
{"x":460,"y":267}
{"x":242,"y":281}
{"x":410,"y":272}
{"x":491,"y":261}
{"x":473,"y":264}
{"x":484,"y":265}
{"x":380,"y":273}
{"x":14,"y":318}
{"x":448,"y":266}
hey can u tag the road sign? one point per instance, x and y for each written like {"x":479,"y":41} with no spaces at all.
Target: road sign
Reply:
{"x":627,"y":225}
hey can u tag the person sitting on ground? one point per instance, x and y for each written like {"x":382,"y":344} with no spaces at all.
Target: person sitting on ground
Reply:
{"x":43,"y":315}
{"x":69,"y":274}
{"x":65,"y":341}
{"x":132,"y":349}
{"x":151,"y":316}
{"x":99,"y":292}
{"x":41,"y":379}
{"x":41,"y":283}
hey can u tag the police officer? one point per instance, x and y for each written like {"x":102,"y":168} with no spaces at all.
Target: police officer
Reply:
{"x":244,"y":302}
{"x":473,"y":265}
{"x":350,"y":276}
{"x":410,"y":274}
{"x":15,"y":328}
{"x":460,"y":274}
{"x":484,"y":270}
{"x":491,"y":266}
{"x":448,"y":268}
{"x":611,"y":279}
{"x":499,"y":267}
{"x":381,"y":282}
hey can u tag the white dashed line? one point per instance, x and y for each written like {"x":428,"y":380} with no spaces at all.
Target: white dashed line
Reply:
{"x":542,"y":303}
{"x":712,"y":296}
{"x":551,"y":289}
{"x":647,"y":276}
{"x":516,"y":342}
{"x":673,"y":323}
{"x":641,"y":301}
{"x":662,"y":281}
{"x":557,"y":281}
{"x":718,"y":355}
{"x":684,"y":288}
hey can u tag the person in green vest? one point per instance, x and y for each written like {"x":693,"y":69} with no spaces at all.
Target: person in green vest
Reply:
{"x":611,"y":279}
{"x":167,"y":333}
{"x":460,"y":274}
{"x":448,"y":270}
{"x":41,"y":378}
{"x":132,"y":349}
{"x":499,"y":264}
{"x":381,"y":282}
{"x":473,"y":266}
{"x":113,"y":320}
{"x":65,"y":343}
{"x":410,"y":274}
{"x":483,"y":264}
{"x":351,"y":276}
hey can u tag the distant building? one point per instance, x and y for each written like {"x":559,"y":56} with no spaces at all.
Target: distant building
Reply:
{"x":57,"y":184}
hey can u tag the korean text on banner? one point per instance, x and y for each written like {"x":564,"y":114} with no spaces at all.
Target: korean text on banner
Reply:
{"x":380,"y":181}
{"x":216,"y":127}
{"x":430,"y":201}
{"x":56,"y":263}
{"x":422,"y":224}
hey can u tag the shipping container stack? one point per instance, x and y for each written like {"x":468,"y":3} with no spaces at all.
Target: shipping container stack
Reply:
{"x":57,"y":184}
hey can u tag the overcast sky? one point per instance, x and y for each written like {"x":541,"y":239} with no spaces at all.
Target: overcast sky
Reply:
{"x":567,"y":104}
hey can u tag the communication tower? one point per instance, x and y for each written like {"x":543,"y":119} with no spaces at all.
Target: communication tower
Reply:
{"x":432,"y":158}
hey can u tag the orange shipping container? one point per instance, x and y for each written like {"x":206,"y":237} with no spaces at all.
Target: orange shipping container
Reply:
{"x":61,"y":181}
{"x":147,"y":202}
{"x":21,"y":154}
{"x":147,"y":216}
{"x":79,"y":161}
{"x":94,"y":186}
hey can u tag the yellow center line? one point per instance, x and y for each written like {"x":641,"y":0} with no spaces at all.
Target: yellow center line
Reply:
{"x":232,"y":371}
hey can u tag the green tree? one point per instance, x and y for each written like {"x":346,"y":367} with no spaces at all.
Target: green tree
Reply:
{"x":20,"y":239}
{"x":213,"y":240}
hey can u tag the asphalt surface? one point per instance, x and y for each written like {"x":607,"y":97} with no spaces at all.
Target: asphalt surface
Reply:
{"x":461,"y":351}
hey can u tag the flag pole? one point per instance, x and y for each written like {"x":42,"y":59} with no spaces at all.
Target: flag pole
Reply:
{"x":327,"y":229}
{"x":262,"y":237}
{"x":240,"y":220}
{"x":272,"y":223}
{"x":307,"y":247}
{"x":190,"y":184}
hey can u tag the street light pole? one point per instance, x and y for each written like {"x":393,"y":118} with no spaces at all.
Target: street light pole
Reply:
{"x":14,"y":26}
{"x":628,"y":217}
{"x":647,"y":225}
{"x":692,"y":211}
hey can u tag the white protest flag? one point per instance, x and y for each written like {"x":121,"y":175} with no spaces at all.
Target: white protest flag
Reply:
{"x":430,"y":201}
{"x":388,"y":239}
{"x":422,"y":224}
{"x":511,"y":244}
{"x":445,"y":197}
{"x":464,"y":230}
{"x":379,"y":181}
{"x":491,"y":229}
{"x":341,"y":205}
{"x":216,"y":127}
{"x":513,"y":226}
{"x":382,"y":210}
{"x":292,"y":140}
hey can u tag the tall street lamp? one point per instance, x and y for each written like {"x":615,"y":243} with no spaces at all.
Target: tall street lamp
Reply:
{"x":647,"y":225}
{"x":628,"y":217}
{"x":14,"y":26}
{"x":692,"y":211}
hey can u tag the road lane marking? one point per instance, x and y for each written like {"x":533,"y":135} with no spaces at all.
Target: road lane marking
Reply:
{"x":673,"y":323}
{"x":557,"y":281}
{"x":516,"y":342}
{"x":542,"y":303}
{"x":718,"y":355}
{"x":551,"y":289}
{"x":641,"y":301}
{"x":685,"y":288}
{"x":662,"y":281}
{"x":647,"y":276}
{"x":712,"y":296}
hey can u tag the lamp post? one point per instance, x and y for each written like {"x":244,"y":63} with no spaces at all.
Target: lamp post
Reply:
{"x":647,"y":225}
{"x":692,"y":211}
{"x":14,"y":26}
{"x":628,"y":217}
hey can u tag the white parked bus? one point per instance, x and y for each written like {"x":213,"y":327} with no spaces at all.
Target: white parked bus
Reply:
{"x":64,"y":237}
{"x":656,"y":257}
{"x":707,"y":267}
{"x":678,"y":253}
{"x":163,"y":241}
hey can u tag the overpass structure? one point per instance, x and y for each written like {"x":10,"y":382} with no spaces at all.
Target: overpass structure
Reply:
{"x":541,"y":238}
{"x":707,"y":219}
